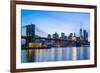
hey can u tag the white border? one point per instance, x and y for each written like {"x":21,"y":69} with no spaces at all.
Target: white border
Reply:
{"x":20,"y":65}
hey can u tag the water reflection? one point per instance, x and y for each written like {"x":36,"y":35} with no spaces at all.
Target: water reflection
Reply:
{"x":55,"y":54}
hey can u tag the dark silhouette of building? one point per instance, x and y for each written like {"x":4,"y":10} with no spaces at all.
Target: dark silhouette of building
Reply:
{"x":65,"y":37}
{"x":74,"y":34}
{"x":81,"y":35}
{"x":49,"y":36}
{"x":55,"y":35}
{"x":85,"y":35}
{"x":70,"y":36}
{"x":62,"y":35}
{"x":80,"y":32}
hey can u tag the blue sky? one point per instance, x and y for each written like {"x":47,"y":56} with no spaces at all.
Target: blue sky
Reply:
{"x":51,"y":21}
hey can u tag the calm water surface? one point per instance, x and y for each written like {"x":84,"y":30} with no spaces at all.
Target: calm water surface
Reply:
{"x":55,"y":54}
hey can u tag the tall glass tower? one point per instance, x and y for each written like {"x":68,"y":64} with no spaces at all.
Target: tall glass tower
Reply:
{"x":80,"y":32}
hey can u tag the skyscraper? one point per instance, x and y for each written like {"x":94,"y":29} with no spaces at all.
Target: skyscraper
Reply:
{"x":74,"y":37}
{"x":80,"y":32}
{"x":74,"y":34}
{"x":49,"y":36}
{"x":62,"y":35}
{"x":85,"y":35}
{"x":55,"y":35}
{"x":70,"y":36}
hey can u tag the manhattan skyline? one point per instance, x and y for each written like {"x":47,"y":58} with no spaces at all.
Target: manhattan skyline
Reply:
{"x":51,"y":21}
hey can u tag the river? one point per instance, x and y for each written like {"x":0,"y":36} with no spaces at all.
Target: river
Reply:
{"x":55,"y":54}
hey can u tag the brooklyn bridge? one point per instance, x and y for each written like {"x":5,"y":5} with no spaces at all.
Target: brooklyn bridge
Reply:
{"x":37,"y":38}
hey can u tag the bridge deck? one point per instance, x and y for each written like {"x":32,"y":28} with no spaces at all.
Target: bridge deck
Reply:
{"x":59,"y":39}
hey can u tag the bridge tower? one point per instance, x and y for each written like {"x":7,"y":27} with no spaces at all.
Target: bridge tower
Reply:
{"x":30,"y":33}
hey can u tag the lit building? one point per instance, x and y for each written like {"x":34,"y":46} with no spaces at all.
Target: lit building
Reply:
{"x":74,"y":37}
